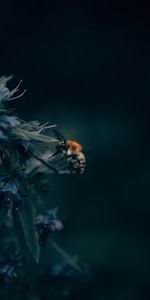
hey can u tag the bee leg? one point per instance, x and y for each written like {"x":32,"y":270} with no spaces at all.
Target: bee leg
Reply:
{"x":57,"y":152}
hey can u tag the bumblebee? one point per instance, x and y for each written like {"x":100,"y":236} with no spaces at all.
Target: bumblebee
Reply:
{"x":72,"y":152}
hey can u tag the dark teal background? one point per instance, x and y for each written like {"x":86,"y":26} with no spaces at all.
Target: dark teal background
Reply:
{"x":86,"y":67}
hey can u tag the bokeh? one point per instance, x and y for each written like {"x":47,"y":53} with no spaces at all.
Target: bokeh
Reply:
{"x":86,"y":67}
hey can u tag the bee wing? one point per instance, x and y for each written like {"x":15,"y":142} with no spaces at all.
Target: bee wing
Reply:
{"x":58,"y":135}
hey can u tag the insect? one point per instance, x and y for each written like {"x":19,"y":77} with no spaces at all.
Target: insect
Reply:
{"x":72,"y":152}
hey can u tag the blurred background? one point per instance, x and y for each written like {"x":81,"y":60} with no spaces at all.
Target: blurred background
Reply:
{"x":86,"y":67}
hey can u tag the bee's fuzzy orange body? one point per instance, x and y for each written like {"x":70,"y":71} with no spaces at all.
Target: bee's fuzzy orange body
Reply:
{"x":73,"y":145}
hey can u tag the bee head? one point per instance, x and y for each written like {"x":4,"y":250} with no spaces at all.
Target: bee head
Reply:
{"x":62,"y":145}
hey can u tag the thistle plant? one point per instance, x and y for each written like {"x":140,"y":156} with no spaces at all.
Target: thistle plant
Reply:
{"x":26,"y":229}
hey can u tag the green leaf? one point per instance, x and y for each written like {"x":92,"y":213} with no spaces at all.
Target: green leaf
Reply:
{"x":26,"y":217}
{"x":26,"y":134}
